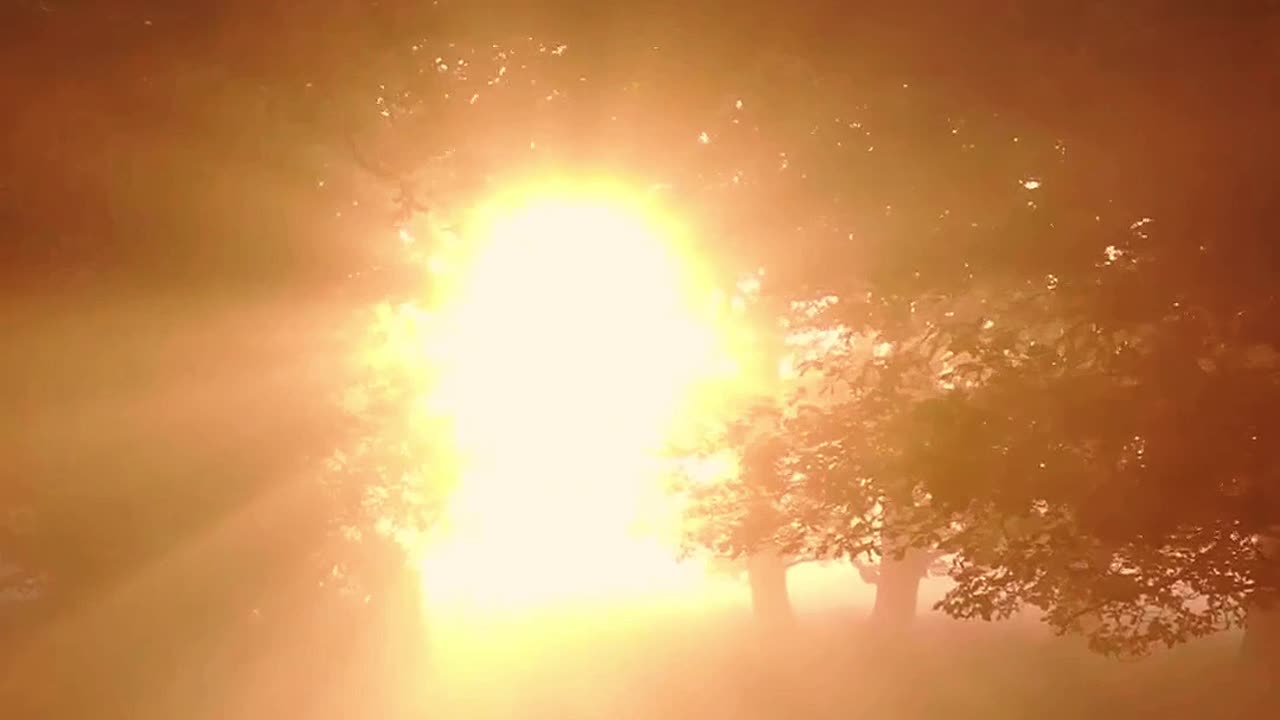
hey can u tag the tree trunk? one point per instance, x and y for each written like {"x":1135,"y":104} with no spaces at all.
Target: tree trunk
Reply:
{"x":1261,"y":645}
{"x":1260,"y":649}
{"x":898,"y":588}
{"x":767,"y":573}
{"x":399,"y":644}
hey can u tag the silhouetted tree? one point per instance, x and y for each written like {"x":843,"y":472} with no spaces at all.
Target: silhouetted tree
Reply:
{"x":1076,"y":349}
{"x":178,"y":234}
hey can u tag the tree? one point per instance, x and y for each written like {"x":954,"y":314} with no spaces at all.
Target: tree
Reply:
{"x":182,"y":218}
{"x":1045,"y":342}
{"x":1144,"y":401}
{"x":988,"y":254}
{"x":897,"y":581}
{"x":815,"y":480}
{"x":264,"y":147}
{"x":740,"y":521}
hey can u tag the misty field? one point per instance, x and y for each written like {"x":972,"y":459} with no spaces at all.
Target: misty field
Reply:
{"x":709,"y":662}
{"x":834,"y":666}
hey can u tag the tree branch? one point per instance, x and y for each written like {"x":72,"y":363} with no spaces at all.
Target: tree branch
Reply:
{"x":869,"y":572}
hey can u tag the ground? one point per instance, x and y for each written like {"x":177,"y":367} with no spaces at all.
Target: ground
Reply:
{"x":836,"y":666}
{"x":632,"y":664}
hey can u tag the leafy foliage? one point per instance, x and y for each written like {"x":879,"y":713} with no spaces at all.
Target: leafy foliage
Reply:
{"x":1062,"y":394}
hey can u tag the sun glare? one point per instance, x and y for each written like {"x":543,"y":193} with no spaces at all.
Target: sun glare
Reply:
{"x":576,"y":339}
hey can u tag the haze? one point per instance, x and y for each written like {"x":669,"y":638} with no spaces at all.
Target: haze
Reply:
{"x":402,"y":359}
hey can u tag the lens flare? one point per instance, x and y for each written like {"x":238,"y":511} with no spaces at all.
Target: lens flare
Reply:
{"x":576,"y":339}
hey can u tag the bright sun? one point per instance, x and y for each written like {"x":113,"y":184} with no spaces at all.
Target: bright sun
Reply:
{"x":577,"y":338}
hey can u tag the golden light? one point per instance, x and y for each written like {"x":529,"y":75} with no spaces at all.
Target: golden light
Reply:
{"x":576,"y":338}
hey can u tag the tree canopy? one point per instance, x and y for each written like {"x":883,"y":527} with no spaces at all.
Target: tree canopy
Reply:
{"x":1054,"y":365}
